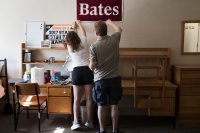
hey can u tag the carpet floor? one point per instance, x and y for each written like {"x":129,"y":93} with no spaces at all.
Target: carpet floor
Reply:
{"x":62,"y":124}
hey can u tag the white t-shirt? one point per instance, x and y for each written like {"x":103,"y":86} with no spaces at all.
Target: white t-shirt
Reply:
{"x":80,"y":57}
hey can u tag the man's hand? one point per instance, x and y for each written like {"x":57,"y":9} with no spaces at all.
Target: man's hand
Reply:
{"x":92,"y":65}
{"x":114,"y":26}
{"x":108,"y":21}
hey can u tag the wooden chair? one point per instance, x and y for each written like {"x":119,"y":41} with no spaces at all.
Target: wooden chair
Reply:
{"x":145,"y":85}
{"x":28,"y":99}
{"x":150,"y":54}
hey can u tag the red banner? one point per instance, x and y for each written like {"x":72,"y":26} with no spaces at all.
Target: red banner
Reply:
{"x":93,"y":10}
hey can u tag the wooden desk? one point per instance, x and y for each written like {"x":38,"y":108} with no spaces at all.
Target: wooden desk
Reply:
{"x":59,"y":98}
{"x":151,"y":90}
{"x":154,"y":92}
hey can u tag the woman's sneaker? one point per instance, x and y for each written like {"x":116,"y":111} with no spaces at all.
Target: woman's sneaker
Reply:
{"x":89,"y":125}
{"x":101,"y":131}
{"x":75,"y":126}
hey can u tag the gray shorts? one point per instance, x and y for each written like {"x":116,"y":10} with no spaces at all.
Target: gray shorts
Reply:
{"x":107,"y":91}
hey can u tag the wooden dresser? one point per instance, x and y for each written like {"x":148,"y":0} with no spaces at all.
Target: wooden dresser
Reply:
{"x":188,"y":101}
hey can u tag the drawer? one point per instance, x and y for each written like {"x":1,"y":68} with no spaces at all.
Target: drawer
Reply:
{"x":195,"y":81}
{"x":167,"y":110}
{"x":190,"y":85}
{"x":190,"y":74}
{"x":188,"y":113}
{"x":43,"y":91}
{"x":59,"y":105}
{"x":128,"y":91}
{"x":189,"y":101}
{"x":59,"y":91}
{"x":190,"y":91}
{"x":189,"y":122}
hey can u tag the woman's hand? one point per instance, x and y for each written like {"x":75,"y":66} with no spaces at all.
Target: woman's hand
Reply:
{"x":74,"y":26}
{"x":77,"y":22}
{"x":65,"y":44}
{"x":82,"y":29}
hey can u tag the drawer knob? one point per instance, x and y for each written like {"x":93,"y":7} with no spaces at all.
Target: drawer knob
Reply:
{"x":64,"y":91}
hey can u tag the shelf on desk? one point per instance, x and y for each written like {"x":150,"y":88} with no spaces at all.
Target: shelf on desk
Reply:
{"x":60,"y":48}
{"x":42,"y":62}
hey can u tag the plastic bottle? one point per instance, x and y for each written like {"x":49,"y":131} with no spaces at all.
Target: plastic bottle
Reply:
{"x":53,"y":75}
{"x":27,"y":76}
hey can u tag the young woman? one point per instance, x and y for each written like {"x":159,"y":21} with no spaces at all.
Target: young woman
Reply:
{"x":82,"y":76}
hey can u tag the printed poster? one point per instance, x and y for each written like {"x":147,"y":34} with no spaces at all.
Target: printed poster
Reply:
{"x":56,"y":34}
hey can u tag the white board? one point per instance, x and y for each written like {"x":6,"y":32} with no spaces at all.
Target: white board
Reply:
{"x":34,"y":34}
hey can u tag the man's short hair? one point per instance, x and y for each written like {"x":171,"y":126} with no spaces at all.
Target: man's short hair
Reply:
{"x":101,"y":28}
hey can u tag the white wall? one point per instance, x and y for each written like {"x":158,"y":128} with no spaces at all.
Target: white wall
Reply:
{"x":146,"y":23}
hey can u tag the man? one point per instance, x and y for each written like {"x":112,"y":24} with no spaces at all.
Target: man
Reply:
{"x":104,"y":60}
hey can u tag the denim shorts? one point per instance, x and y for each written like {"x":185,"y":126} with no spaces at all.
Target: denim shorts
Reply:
{"x":82,"y":75}
{"x":107,"y":91}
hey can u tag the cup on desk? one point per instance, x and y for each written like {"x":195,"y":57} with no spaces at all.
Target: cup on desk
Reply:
{"x":27,"y":57}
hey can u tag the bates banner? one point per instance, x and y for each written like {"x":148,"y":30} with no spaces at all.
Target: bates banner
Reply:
{"x":93,"y":10}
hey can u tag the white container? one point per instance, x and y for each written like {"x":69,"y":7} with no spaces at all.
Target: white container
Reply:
{"x":27,"y":76}
{"x":37,"y":75}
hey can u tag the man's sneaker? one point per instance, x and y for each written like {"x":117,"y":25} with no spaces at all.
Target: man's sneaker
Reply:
{"x":89,"y":125}
{"x":75,"y":126}
{"x":116,"y":131}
